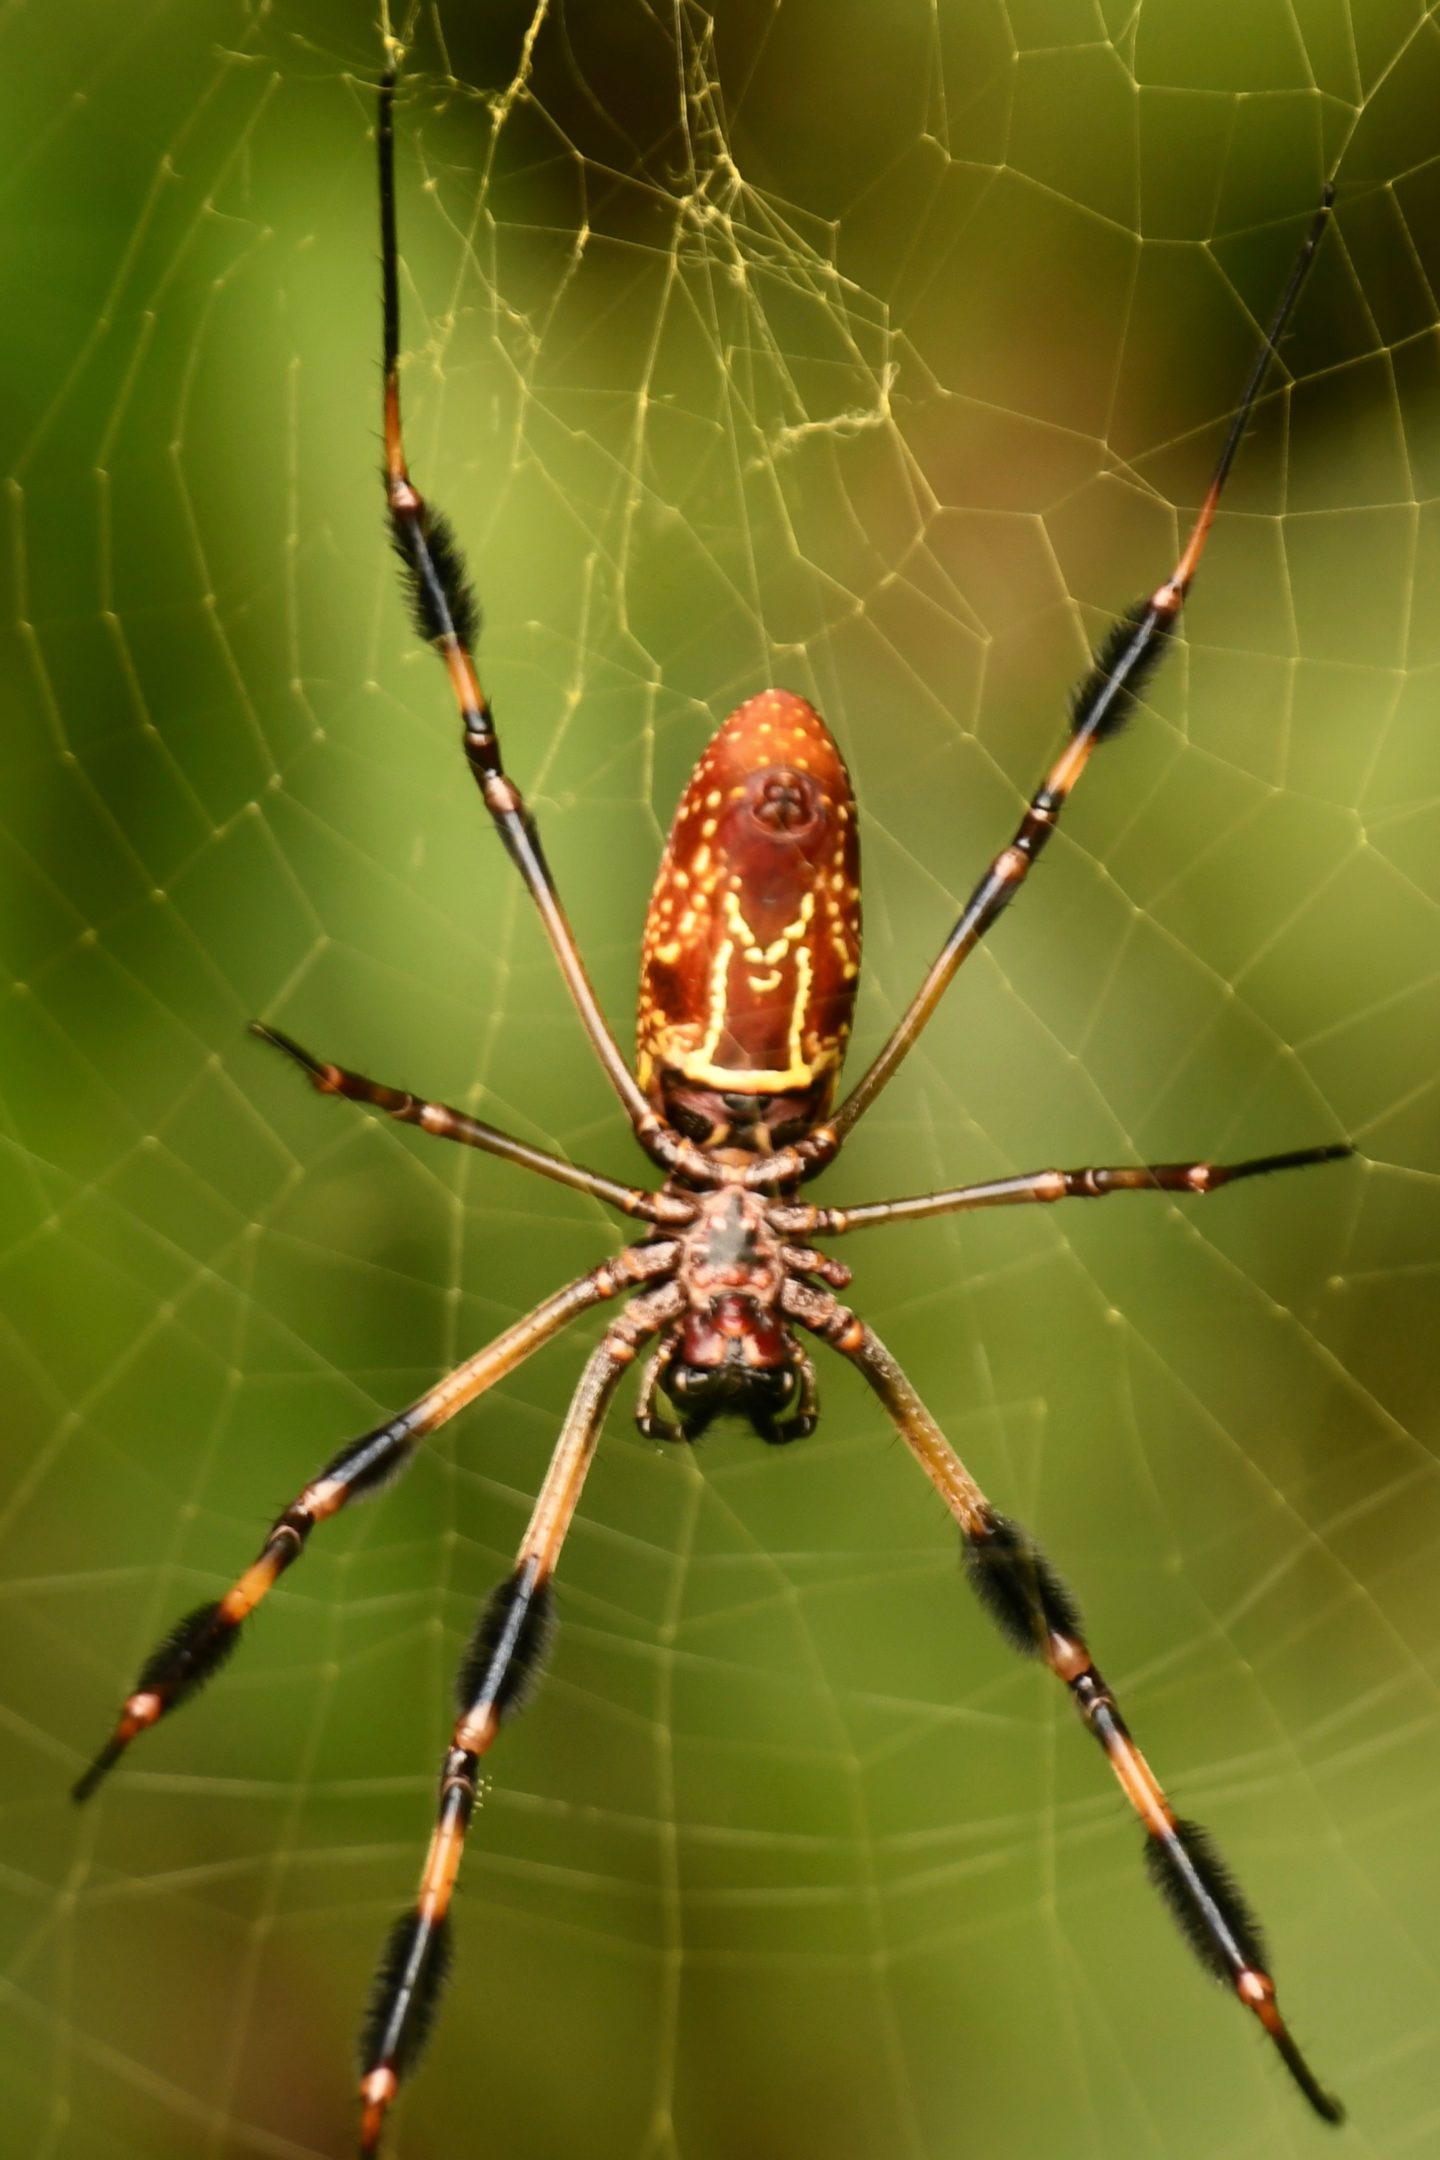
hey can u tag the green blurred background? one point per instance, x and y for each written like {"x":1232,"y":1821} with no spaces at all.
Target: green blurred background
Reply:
{"x":880,"y":351}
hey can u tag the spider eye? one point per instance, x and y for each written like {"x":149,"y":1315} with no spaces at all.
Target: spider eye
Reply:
{"x":690,"y":1122}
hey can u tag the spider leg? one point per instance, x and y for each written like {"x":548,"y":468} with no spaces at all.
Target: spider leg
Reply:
{"x":806,"y":1415}
{"x":1038,"y":1617}
{"x":1094,"y":1184}
{"x":448,"y":1124}
{"x":199,"y":1645}
{"x":1100,"y":707}
{"x":501,"y":1664}
{"x":649,"y":1422}
{"x":448,"y":617}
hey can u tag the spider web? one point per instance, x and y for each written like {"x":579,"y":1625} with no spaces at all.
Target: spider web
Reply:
{"x":881,"y":352}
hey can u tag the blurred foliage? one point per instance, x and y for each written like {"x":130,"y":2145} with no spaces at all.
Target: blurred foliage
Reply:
{"x":882,"y":351}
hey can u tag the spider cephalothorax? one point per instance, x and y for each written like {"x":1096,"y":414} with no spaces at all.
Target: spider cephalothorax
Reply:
{"x":731,"y":1353}
{"x":750,"y":959}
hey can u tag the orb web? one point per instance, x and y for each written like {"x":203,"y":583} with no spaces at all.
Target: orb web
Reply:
{"x":882,"y":354}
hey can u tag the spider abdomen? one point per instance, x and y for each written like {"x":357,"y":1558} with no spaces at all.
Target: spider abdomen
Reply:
{"x":752,"y":940}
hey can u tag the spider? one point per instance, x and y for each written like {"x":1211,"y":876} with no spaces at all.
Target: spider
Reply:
{"x":749,"y":967}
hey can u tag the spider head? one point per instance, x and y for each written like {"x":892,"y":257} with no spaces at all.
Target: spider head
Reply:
{"x":734,"y":1360}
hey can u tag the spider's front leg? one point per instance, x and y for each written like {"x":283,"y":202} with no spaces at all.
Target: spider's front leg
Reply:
{"x":1038,"y":1617}
{"x":196,"y":1648}
{"x":503,"y":1660}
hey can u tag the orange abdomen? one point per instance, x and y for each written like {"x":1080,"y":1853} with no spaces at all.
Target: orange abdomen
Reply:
{"x":752,"y":940}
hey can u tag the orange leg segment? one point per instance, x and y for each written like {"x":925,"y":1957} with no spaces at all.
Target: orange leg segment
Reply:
{"x":1038,"y":1616}
{"x":196,"y":1648}
{"x":499,"y":1669}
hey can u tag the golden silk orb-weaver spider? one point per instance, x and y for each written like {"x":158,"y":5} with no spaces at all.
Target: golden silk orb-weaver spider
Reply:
{"x":750,"y":961}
